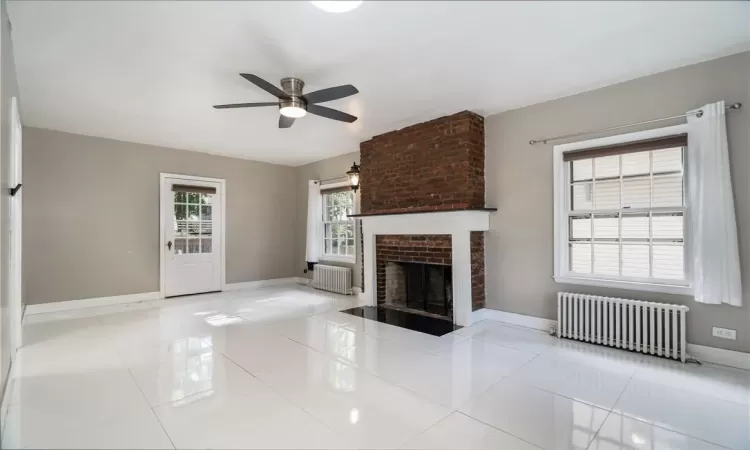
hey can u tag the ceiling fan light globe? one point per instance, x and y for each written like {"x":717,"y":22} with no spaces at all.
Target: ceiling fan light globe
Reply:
{"x":337,"y":6}
{"x":294,"y":112}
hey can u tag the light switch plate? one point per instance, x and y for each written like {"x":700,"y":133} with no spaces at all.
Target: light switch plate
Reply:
{"x":725,"y":333}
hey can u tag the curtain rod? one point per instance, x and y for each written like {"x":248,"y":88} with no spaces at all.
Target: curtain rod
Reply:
{"x":331,"y":179}
{"x":698,"y":113}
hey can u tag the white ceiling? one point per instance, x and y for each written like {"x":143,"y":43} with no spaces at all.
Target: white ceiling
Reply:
{"x":148,"y":71}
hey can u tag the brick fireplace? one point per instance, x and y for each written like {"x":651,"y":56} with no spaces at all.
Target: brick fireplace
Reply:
{"x":423,"y":215}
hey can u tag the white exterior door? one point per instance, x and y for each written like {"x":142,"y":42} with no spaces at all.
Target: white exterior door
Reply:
{"x":192,"y":226}
{"x":16,"y":240}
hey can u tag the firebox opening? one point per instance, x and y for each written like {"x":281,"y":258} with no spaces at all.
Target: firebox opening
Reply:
{"x":419,"y":287}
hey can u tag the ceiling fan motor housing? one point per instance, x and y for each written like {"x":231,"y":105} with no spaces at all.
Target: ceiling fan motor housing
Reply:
{"x":293,"y":88}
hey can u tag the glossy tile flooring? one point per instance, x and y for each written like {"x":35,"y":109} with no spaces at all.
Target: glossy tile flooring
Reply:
{"x":282,"y":368}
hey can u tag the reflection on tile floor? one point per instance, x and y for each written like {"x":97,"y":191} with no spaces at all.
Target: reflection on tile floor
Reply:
{"x":282,"y":367}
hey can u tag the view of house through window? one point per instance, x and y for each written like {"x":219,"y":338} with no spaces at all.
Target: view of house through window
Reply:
{"x":192,"y":222}
{"x":338,"y":228}
{"x":626,"y":216}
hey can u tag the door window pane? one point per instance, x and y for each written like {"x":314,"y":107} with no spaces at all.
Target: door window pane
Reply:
{"x":194,"y":246}
{"x":193,"y":212}
{"x":180,"y":197}
{"x":180,"y":228}
{"x":180,"y":212}
{"x":193,"y":197}
{"x":180,"y":246}
{"x":206,"y":245}
{"x":193,"y":228}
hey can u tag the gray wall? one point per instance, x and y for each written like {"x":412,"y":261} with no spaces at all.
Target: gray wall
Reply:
{"x":8,"y":90}
{"x":519,"y":246}
{"x":91,"y":215}
{"x":321,"y":170}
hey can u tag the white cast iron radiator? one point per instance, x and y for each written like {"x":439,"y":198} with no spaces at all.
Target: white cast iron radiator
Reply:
{"x":332,"y":278}
{"x":648,"y":327}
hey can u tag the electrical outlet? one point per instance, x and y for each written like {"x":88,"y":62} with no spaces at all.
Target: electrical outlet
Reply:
{"x":725,"y":333}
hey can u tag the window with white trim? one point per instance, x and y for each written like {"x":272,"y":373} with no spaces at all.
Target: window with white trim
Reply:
{"x":623,"y":213}
{"x":338,"y":228}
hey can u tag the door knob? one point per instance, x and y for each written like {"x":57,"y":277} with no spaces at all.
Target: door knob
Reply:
{"x":169,"y":245}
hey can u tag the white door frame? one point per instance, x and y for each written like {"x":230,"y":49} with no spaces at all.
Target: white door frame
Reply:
{"x":163,"y":222}
{"x":16,"y":244}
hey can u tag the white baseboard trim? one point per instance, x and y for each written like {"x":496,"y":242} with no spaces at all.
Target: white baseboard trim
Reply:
{"x":522,"y":320}
{"x":90,"y":303}
{"x":260,"y":283}
{"x":702,"y":353}
{"x":7,"y":394}
{"x":714,"y":355}
{"x":145,"y":296}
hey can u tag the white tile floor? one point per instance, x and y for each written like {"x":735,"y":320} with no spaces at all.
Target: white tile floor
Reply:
{"x":282,"y":368}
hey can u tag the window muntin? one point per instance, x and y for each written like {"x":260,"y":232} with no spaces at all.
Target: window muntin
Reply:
{"x":338,"y":233}
{"x":626,"y":216}
{"x":192,"y":222}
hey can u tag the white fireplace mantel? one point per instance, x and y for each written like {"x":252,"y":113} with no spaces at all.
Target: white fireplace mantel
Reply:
{"x":458,"y":224}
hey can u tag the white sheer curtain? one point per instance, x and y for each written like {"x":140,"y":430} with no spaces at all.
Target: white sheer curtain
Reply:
{"x":314,"y":221}
{"x":713,"y":230}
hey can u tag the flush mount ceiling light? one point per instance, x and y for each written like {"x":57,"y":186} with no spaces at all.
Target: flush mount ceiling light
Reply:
{"x":337,"y":7}
{"x":292,"y":108}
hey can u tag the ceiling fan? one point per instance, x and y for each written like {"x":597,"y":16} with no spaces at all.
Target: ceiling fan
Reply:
{"x":293,"y":104}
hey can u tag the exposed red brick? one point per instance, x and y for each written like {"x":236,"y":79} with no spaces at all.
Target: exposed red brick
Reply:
{"x":432,"y":166}
{"x":477,"y":270}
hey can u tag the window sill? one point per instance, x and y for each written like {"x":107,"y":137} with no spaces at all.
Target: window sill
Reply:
{"x":629,"y":285}
{"x":339,"y":259}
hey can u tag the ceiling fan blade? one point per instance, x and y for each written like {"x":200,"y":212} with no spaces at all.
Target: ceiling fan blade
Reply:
{"x":285,"y":122}
{"x":329,"y":113}
{"x":265,"y":85}
{"x":245,"y":105}
{"x":334,"y":93}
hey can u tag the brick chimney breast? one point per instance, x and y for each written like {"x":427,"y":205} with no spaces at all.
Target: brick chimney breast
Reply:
{"x":432,"y":166}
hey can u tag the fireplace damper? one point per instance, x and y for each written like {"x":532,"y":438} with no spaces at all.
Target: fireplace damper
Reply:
{"x":419,"y":287}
